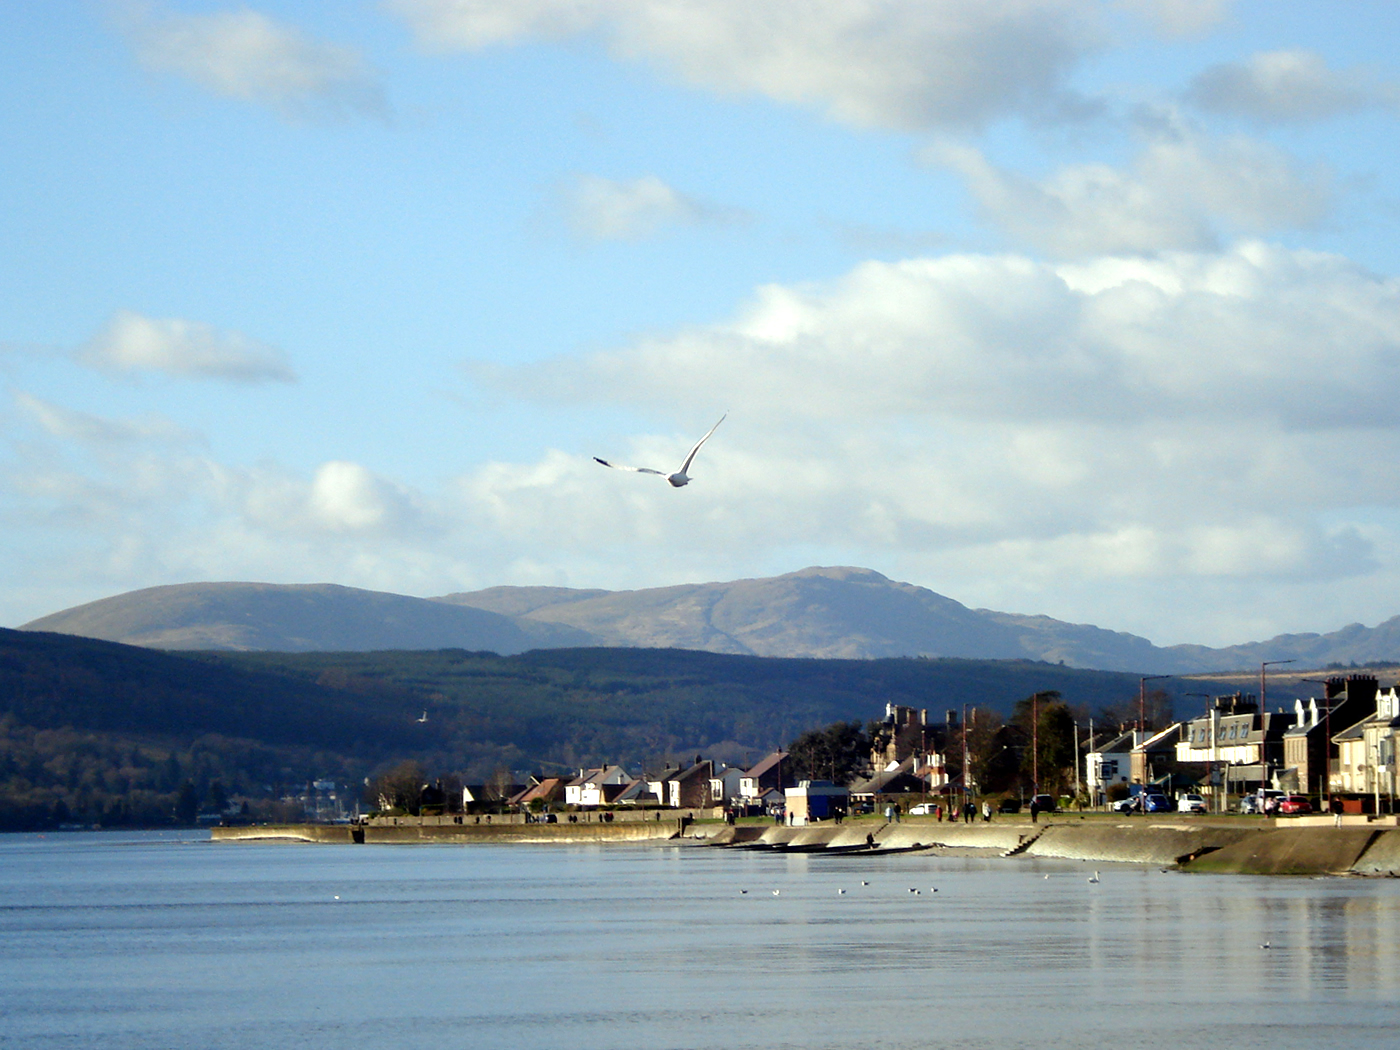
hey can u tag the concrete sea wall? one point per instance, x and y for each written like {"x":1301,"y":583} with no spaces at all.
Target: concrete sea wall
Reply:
{"x":463,"y":834}
{"x":1235,"y":847}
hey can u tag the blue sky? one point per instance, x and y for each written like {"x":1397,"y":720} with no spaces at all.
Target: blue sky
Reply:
{"x":1089,"y":310}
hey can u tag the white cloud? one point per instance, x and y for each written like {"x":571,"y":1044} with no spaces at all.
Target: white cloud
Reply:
{"x":98,"y":431}
{"x":604,"y":209}
{"x":130,"y":342}
{"x":1182,"y":191}
{"x":246,"y":55}
{"x":1179,"y":445}
{"x":1192,"y":421}
{"x":880,"y":63}
{"x":1304,"y":339}
{"x":1280,"y":87}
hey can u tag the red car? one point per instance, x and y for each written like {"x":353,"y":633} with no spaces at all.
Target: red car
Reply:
{"x":1292,"y":805}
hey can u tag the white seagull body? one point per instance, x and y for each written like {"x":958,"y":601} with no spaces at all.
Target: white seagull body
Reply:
{"x":680,"y":477}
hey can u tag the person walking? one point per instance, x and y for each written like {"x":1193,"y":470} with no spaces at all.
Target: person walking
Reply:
{"x":1035,"y":812}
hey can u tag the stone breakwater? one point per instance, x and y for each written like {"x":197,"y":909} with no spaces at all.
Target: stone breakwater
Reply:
{"x":1190,"y":844}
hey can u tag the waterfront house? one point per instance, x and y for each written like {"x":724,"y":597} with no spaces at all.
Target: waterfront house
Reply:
{"x":899,"y":783}
{"x":637,"y":793}
{"x":1154,"y":756}
{"x":725,"y":784}
{"x":1239,"y":746}
{"x":690,"y":788}
{"x":1109,"y":764}
{"x":544,"y":790}
{"x":770,"y":773}
{"x":1310,"y":753}
{"x":1366,"y":753}
{"x":591,"y":786}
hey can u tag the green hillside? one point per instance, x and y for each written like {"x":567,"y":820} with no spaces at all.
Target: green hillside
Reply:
{"x":97,"y":732}
{"x":573,"y":707}
{"x":100,"y":732}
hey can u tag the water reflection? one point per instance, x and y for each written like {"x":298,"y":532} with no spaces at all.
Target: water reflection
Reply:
{"x":146,"y":942}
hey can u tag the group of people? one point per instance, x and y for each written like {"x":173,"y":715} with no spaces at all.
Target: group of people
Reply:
{"x":968,"y":812}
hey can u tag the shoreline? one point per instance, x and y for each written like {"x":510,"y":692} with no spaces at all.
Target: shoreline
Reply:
{"x":1297,"y":847}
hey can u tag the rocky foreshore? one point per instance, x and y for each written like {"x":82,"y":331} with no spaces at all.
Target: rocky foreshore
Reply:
{"x":1189,"y":844}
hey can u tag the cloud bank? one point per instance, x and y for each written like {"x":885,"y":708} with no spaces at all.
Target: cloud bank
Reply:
{"x":869,"y":63}
{"x":1198,"y":425}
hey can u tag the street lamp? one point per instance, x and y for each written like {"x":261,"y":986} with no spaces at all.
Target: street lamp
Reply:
{"x":1263,"y":717}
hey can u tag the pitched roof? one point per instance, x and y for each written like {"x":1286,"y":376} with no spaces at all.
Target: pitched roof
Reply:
{"x":766,"y":763}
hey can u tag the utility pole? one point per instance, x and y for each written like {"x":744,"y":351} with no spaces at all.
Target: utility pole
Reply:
{"x":1142,"y":720}
{"x":966,"y":787}
{"x":1035,"y":747}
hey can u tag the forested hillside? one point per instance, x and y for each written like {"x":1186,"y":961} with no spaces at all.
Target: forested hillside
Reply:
{"x":100,"y":732}
{"x":564,"y":708}
{"x":96,"y":732}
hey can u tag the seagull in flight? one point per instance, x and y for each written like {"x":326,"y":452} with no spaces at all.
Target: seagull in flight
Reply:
{"x":680,"y":477}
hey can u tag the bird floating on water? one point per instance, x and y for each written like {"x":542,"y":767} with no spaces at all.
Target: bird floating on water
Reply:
{"x":680,"y":478}
{"x":422,"y":718}
{"x":1095,"y":877}
{"x":1266,"y":944}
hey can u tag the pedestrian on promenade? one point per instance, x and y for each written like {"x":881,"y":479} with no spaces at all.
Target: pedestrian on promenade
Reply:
{"x":986,"y":812}
{"x":1035,"y":812}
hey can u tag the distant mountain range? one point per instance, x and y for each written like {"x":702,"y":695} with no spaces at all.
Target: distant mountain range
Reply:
{"x":847,"y":613}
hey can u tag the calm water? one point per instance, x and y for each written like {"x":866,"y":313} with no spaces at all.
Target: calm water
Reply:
{"x":144,"y":940}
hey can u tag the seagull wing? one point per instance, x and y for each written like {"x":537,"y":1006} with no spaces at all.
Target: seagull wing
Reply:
{"x":685,"y":467}
{"x":636,"y":470}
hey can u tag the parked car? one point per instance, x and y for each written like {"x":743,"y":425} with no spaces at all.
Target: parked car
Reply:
{"x":1009,"y":805}
{"x":1045,"y":803}
{"x":1158,"y":804}
{"x":1293,"y":805}
{"x":1190,"y":803}
{"x":1126,"y":805}
{"x":924,"y":809}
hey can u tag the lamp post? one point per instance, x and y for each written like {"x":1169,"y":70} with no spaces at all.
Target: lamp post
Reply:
{"x":964,"y":758}
{"x":1263,"y":718}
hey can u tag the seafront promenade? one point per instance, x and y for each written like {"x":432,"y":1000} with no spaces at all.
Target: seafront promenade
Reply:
{"x":1231,"y":845}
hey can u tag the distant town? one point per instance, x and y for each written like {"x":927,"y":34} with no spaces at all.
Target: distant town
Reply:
{"x":1331,"y":753}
